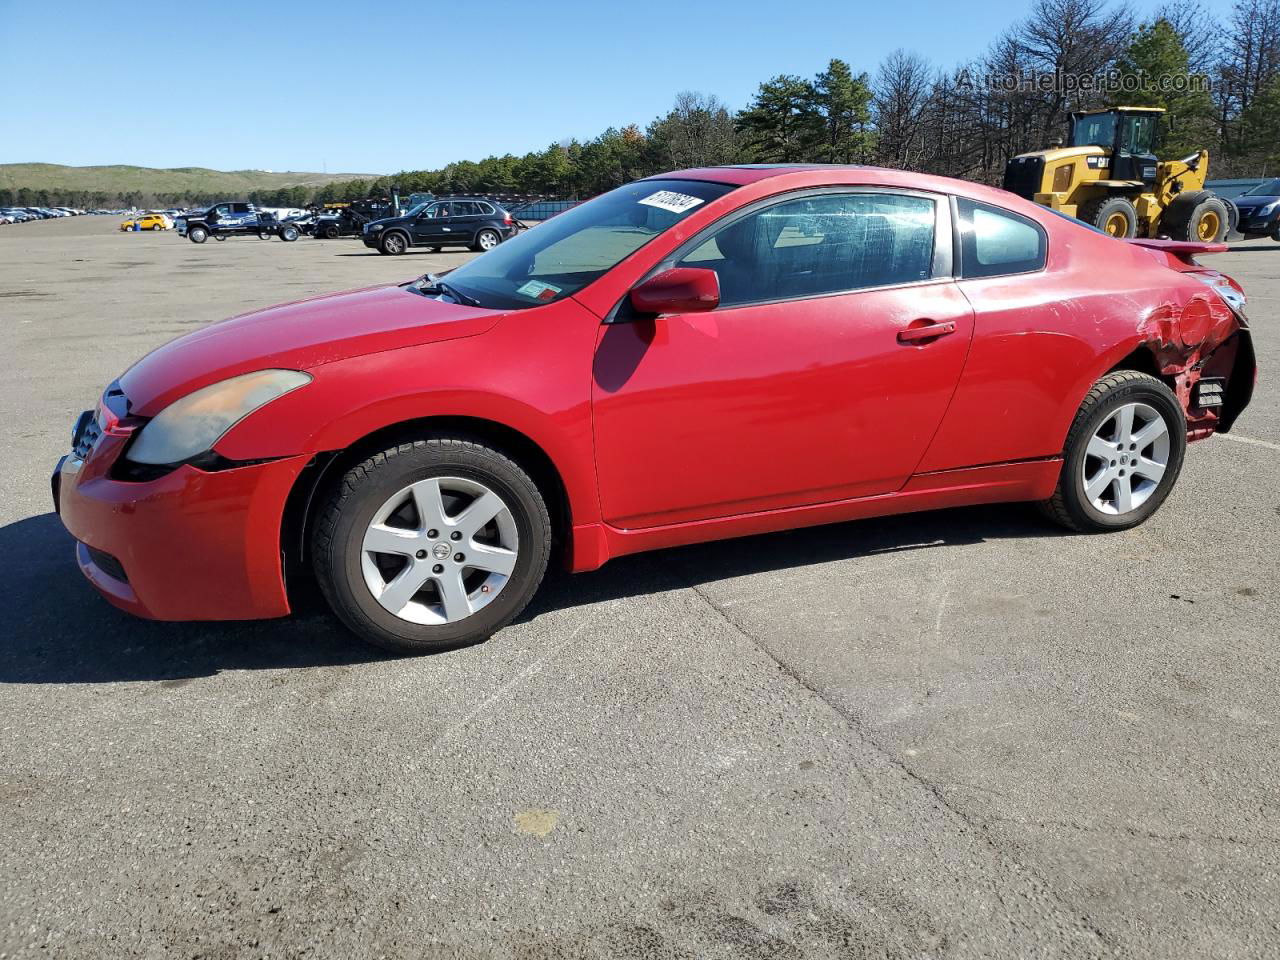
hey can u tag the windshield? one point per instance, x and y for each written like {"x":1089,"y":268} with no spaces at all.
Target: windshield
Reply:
{"x":562,"y":255}
{"x":1095,"y":130}
{"x":414,"y":211}
{"x":1268,"y":188}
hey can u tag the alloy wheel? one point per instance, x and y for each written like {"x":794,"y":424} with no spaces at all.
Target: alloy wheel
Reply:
{"x":1126,"y":459}
{"x":487,"y":240}
{"x":439,"y":550}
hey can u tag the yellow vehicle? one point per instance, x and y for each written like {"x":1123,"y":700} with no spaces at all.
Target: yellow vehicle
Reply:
{"x":148,"y":221}
{"x":1109,"y":177}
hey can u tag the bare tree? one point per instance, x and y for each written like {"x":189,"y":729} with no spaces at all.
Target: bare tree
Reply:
{"x":900,"y":92}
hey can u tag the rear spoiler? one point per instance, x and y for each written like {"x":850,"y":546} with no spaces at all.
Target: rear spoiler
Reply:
{"x":1183,"y":250}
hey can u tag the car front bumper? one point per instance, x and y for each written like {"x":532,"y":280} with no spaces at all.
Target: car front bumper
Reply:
{"x":190,"y":545}
{"x":1253,"y":225}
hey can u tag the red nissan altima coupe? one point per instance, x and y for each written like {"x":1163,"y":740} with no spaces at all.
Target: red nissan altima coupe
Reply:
{"x":704,"y":354}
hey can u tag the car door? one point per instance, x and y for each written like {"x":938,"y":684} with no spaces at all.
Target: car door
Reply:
{"x":442,"y":227}
{"x":822,"y":375}
{"x":467,"y":219}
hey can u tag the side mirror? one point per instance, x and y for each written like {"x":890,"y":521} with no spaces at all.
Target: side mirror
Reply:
{"x":678,"y":290}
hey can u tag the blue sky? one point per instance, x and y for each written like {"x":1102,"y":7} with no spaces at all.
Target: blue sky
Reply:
{"x":396,"y":85}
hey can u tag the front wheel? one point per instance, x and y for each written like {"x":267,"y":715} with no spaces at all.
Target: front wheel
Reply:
{"x":393,"y":244}
{"x":197,"y":234}
{"x":431,"y":545}
{"x":1123,"y":454}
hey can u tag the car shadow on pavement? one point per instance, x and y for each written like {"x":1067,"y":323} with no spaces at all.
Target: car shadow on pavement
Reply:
{"x":58,"y":630}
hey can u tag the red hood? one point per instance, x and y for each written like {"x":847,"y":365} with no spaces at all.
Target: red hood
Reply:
{"x":297,"y":336}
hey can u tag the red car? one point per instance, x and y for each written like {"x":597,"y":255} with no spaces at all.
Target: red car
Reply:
{"x":705,"y":354}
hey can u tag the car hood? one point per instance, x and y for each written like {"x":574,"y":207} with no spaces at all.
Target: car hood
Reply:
{"x":297,"y":336}
{"x":1255,"y":200}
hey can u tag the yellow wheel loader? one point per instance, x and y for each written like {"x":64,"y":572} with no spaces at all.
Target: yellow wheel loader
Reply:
{"x":1109,"y":177}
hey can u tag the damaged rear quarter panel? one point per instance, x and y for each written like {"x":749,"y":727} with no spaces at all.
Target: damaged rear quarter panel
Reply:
{"x":1039,"y":347}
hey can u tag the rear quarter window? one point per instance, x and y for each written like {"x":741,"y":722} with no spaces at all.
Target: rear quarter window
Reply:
{"x":996,"y":242}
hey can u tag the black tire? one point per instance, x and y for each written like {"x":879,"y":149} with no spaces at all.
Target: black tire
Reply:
{"x":1107,"y":211}
{"x":393,"y":243}
{"x":219,"y":237}
{"x":289,"y":234}
{"x":479,"y":244}
{"x":348,"y":508}
{"x":1069,"y":506}
{"x":433,"y":249}
{"x":264,"y":234}
{"x":331,"y":231}
{"x":197,"y":234}
{"x":1183,"y":218}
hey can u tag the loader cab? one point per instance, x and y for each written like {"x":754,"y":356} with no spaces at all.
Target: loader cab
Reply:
{"x":1130,"y":133}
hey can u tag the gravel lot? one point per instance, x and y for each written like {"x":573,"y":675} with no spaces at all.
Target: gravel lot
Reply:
{"x":945,"y":735}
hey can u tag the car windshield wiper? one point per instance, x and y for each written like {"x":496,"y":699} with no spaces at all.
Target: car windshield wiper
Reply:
{"x":427,"y":283}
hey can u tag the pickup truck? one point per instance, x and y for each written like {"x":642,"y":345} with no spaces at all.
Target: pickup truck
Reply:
{"x":235,"y":219}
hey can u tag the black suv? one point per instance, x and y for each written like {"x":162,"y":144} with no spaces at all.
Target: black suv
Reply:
{"x":457,"y":221}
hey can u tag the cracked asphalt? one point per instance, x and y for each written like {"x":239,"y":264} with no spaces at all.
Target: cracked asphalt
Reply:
{"x":955,"y":734}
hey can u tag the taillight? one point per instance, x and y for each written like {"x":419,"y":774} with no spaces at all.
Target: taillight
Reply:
{"x":507,"y":220}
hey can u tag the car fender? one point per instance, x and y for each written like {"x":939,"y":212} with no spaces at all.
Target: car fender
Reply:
{"x":541,"y":392}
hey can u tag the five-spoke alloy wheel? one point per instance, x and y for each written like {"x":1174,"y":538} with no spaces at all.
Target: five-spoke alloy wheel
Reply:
{"x":431,"y":544}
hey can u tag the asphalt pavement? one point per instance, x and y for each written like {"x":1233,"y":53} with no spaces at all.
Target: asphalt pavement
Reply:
{"x":954,"y":734}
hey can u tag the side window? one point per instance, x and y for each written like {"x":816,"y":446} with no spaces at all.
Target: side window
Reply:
{"x":467,"y":208}
{"x":821,"y":244}
{"x":995,"y":242}
{"x":486,"y":210}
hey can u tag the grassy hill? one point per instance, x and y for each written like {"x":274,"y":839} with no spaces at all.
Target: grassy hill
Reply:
{"x":123,"y":179}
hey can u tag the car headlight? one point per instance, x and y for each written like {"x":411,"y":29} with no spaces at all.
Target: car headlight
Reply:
{"x":1269,"y":209}
{"x":196,"y":422}
{"x":375,"y":227}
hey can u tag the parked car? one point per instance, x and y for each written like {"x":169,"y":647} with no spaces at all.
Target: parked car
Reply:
{"x":148,"y":221}
{"x":1260,"y":211}
{"x":673,"y":361}
{"x":473,"y":223}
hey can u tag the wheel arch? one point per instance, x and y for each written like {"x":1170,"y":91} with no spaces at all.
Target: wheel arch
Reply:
{"x":328,"y":467}
{"x":401,"y":231}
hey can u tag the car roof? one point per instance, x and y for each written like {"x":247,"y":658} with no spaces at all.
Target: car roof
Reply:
{"x":802,"y":175}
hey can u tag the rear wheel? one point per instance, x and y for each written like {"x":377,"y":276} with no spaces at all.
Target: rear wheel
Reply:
{"x":1123,"y":454}
{"x":487,"y":240}
{"x":431,"y":545}
{"x":330,"y":231}
{"x":289,"y":234}
{"x":1116,"y":216}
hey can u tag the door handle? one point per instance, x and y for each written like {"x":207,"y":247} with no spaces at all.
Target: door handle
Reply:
{"x":926,"y":331}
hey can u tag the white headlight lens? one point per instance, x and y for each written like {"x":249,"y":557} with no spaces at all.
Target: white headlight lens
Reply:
{"x":195,"y":423}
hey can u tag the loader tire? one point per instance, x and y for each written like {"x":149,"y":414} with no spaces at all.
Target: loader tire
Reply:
{"x":1197,"y":216}
{"x":1116,"y":216}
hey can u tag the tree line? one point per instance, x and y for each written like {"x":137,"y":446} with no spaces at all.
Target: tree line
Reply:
{"x":1219,"y":81}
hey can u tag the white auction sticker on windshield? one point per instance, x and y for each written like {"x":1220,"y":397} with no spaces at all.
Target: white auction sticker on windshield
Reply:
{"x":670,"y":200}
{"x":537,"y":290}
